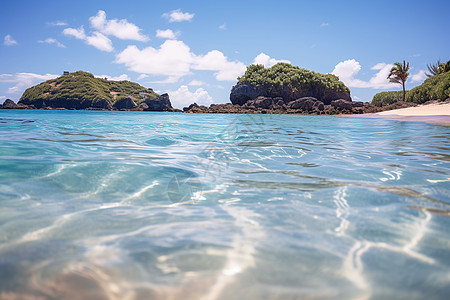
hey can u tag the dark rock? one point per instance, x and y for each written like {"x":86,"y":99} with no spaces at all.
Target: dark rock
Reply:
{"x":188,"y":108}
{"x":242,"y":92}
{"x":305,"y":103}
{"x":357,"y":104}
{"x":9,"y":104}
{"x":103,"y":104}
{"x":342,"y":104}
{"x":143,"y":106}
{"x":125,"y":103}
{"x":162,"y":103}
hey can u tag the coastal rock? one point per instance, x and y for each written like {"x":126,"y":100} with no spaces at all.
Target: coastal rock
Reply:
{"x":342,"y":104}
{"x":244,"y":91}
{"x":125,"y":103}
{"x":162,"y":103}
{"x":188,"y":108}
{"x":102,"y":104}
{"x":9,"y":104}
{"x":305,"y":103}
{"x":142,"y":106}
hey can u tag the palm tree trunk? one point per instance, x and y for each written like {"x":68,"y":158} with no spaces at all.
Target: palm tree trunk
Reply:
{"x":404,"y":92}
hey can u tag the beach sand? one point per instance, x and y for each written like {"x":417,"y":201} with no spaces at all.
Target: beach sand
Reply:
{"x":435,"y":113}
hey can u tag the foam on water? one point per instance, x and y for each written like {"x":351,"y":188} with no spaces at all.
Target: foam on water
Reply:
{"x":131,"y":205}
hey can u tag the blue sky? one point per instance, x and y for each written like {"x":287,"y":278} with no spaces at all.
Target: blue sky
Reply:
{"x":194,"y":50}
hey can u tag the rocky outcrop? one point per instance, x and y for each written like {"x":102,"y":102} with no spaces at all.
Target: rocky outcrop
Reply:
{"x":188,"y":108}
{"x":162,"y":103}
{"x":304,"y":106}
{"x":9,"y":104}
{"x":125,"y":103}
{"x":242,"y":92}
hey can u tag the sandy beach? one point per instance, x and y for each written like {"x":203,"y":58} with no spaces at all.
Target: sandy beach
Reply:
{"x":422,"y":110}
{"x":436,"y":113}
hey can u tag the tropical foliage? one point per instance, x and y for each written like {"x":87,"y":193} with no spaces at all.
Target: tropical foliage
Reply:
{"x":386,"y":98}
{"x":398,"y":74}
{"x":434,"y":88}
{"x":284,"y":74}
{"x":438,"y":68}
{"x":81,"y":89}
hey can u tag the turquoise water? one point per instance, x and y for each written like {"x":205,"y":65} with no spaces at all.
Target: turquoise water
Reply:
{"x":131,"y":205}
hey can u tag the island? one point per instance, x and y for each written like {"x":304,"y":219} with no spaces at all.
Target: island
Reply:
{"x":82,"y":91}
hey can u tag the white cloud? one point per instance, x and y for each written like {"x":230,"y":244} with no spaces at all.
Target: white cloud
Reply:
{"x":347,"y":70}
{"x":196,"y":82}
{"x":9,"y":41}
{"x":419,"y":76}
{"x":22,"y":81}
{"x":324,"y":24}
{"x":52,"y":41}
{"x":121,"y":29}
{"x":223,"y":26}
{"x":142,"y":76}
{"x":216,"y":61}
{"x":183,"y":97}
{"x":57,"y":23}
{"x":75,"y":32}
{"x":100,"y":41}
{"x":178,"y":16}
{"x":166,"y":34}
{"x":115,"y":78}
{"x":173,"y":59}
{"x":267,"y":61}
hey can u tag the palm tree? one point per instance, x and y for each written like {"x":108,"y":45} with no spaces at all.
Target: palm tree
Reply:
{"x":398,"y":74}
{"x":438,"y":68}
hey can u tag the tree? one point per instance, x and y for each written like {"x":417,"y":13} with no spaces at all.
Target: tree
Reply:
{"x":438,"y":68}
{"x":398,"y":74}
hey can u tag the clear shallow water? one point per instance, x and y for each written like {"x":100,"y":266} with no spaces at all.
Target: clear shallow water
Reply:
{"x":130,"y":205}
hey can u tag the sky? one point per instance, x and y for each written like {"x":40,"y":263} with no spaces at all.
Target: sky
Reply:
{"x":195,"y":50}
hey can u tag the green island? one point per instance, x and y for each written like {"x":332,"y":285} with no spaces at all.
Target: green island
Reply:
{"x":81,"y":90}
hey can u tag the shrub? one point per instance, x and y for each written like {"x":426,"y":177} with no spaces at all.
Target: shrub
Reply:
{"x":386,"y":98}
{"x":436,"y":87}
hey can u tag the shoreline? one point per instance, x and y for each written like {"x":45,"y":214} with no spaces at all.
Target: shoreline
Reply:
{"x":434,"y":113}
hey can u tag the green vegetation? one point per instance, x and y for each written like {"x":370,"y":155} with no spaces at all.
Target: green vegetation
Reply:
{"x":82,"y":90}
{"x":433,"y":88}
{"x":284,"y":74}
{"x":386,"y":98}
{"x":398,"y":74}
{"x":438,"y":68}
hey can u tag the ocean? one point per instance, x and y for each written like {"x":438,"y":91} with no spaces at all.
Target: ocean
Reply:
{"x":143,"y":205}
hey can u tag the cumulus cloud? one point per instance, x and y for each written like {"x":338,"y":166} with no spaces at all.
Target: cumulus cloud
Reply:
{"x":9,"y":41}
{"x":223,"y":26}
{"x":57,"y":23}
{"x":178,"y":16}
{"x":216,"y":61}
{"x":121,"y":29}
{"x":114,"y":78}
{"x":347,"y":70}
{"x":166,"y":34}
{"x":97,"y":39}
{"x":183,"y":97}
{"x":142,"y":76}
{"x":267,"y":61}
{"x":196,"y":82}
{"x":52,"y":41}
{"x":173,"y":59}
{"x":100,"y":41}
{"x":22,"y":81}
{"x":419,"y":76}
{"x":75,"y":32}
